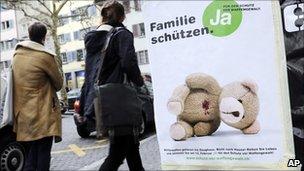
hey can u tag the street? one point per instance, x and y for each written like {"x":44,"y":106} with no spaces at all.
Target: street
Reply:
{"x":76,"y":153}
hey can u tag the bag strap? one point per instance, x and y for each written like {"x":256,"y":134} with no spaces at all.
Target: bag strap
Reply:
{"x":110,"y":34}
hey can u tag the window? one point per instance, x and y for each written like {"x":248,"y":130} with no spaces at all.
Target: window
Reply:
{"x":71,"y":56}
{"x":84,"y":54}
{"x":63,"y":38}
{"x":67,"y":37}
{"x":5,"y":25}
{"x":4,"y":64}
{"x":2,"y":46}
{"x":1,"y":66}
{"x":139,"y":30}
{"x":126,"y":4}
{"x":8,"y":63}
{"x":142,"y":57}
{"x":84,"y":11}
{"x":137,"y":5}
{"x":24,"y":27}
{"x":8,"y":45}
{"x":3,"y":7}
{"x":83,"y":32}
{"x":64,"y":58}
{"x":63,"y":21}
{"x":75,"y":17}
{"x":77,"y":35}
{"x":91,"y":11}
{"x":80,"y":54}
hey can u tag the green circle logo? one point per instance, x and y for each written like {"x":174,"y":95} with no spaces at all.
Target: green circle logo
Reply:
{"x":222,"y":17}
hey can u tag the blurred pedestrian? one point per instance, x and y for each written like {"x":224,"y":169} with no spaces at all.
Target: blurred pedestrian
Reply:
{"x":120,"y":61}
{"x":36,"y":76}
{"x":147,"y":78}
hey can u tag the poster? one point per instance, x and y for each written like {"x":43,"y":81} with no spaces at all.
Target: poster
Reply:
{"x":220,"y":84}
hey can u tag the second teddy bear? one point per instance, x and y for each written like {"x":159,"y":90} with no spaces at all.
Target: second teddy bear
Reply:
{"x":239,"y":106}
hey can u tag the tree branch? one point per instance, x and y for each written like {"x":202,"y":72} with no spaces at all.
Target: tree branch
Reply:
{"x":43,"y":4}
{"x":75,"y":15}
{"x":35,"y":18}
{"x":35,"y":9}
{"x":60,"y":7}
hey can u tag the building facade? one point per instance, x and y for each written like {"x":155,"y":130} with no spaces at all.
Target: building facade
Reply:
{"x":9,"y":36}
{"x":81,"y":17}
{"x":72,"y":30}
{"x":14,"y":28}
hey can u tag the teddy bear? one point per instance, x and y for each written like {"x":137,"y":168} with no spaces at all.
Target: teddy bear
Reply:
{"x":196,"y":106}
{"x":239,"y":106}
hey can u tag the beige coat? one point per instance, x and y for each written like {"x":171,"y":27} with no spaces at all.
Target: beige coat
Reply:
{"x":36,"y":77}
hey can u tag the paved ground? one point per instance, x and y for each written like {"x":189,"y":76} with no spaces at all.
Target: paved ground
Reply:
{"x":75,"y":153}
{"x":149,"y":154}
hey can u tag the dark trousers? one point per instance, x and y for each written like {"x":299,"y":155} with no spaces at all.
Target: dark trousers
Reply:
{"x":38,"y":154}
{"x":122,"y":147}
{"x":299,"y":149}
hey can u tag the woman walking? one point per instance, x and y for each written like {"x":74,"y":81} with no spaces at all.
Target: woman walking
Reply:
{"x":120,"y":60}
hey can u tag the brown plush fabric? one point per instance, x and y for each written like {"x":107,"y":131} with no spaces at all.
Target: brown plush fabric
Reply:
{"x":195,"y":111}
{"x":179,"y":96}
{"x":249,"y":99}
{"x":203,"y":81}
{"x":188,"y":128}
{"x":200,"y":105}
{"x":206,"y":128}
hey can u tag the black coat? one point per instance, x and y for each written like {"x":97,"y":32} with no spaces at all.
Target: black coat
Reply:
{"x":120,"y":58}
{"x":294,"y":47}
{"x":295,"y":69}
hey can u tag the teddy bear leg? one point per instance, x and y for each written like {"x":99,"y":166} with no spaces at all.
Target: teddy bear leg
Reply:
{"x":203,"y":128}
{"x":253,"y":128}
{"x":181,"y":131}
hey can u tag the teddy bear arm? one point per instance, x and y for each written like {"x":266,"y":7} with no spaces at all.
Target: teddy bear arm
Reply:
{"x":203,"y":81}
{"x":176,"y":102}
{"x":253,"y":128}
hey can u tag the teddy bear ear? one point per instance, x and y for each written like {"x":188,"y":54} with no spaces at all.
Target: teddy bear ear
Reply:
{"x":251,"y":85}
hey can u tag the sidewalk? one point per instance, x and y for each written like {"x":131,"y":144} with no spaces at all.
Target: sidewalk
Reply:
{"x":149,"y":152}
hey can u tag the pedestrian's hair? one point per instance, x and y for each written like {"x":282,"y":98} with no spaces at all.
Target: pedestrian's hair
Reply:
{"x":37,"y":32}
{"x":112,"y":12}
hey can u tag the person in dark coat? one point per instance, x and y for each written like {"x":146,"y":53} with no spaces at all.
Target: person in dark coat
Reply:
{"x":120,"y":60}
{"x":294,"y":47}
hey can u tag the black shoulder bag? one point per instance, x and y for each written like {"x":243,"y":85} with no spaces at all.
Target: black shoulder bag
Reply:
{"x":119,"y":102}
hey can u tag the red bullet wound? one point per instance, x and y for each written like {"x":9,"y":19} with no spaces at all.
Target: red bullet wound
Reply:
{"x":205,"y":105}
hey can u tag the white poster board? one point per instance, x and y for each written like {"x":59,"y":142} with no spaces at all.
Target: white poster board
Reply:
{"x":238,"y":42}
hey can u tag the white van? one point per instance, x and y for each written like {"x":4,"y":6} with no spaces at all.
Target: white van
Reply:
{"x":11,"y":152}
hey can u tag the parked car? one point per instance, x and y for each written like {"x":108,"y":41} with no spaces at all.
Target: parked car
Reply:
{"x":86,"y":126}
{"x":72,"y":96}
{"x":12,"y":154}
{"x":63,"y":105}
